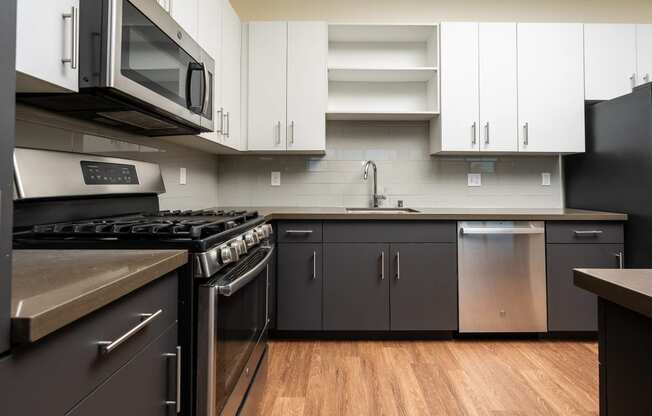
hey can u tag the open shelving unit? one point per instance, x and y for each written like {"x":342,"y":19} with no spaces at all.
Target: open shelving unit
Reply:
{"x":383,"y":72}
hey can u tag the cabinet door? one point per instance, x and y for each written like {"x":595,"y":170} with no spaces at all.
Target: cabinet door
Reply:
{"x":644,"y":53}
{"x":267,"y":86}
{"x":209,"y":35}
{"x":307,"y":90}
{"x":551,"y":87}
{"x":185,"y":12}
{"x":569,"y":307}
{"x":231,"y":55}
{"x":459,"y":87}
{"x":423,"y":287}
{"x":356,"y":287}
{"x":498,"y":95}
{"x":44,"y":40}
{"x":299,"y":287}
{"x":609,"y":60}
{"x":141,"y":387}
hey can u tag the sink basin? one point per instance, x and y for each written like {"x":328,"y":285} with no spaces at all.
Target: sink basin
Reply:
{"x":381,"y":211}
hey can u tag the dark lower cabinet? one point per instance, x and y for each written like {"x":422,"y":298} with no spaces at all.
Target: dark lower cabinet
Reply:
{"x":356,"y":287}
{"x":569,"y":307}
{"x":140,"y":388}
{"x":423,"y":287}
{"x":299,"y":285}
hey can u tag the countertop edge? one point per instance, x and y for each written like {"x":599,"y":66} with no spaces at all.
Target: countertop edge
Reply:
{"x":30,"y":329}
{"x":615,"y":217}
{"x":626,"y":297}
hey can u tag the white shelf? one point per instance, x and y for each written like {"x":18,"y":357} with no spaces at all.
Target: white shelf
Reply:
{"x":381,"y":115}
{"x":380,"y":33}
{"x":414,"y":74}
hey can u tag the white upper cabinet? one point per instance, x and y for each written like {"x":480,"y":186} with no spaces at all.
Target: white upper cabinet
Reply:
{"x":47,"y":46}
{"x":231,"y":128}
{"x":307,"y":86}
{"x":287,"y":86}
{"x":460,"y":113}
{"x":186,"y":13}
{"x":551,"y":87}
{"x":267,"y":86}
{"x":610,"y":60}
{"x":209,"y":35}
{"x":498,"y":80}
{"x":644,"y":51}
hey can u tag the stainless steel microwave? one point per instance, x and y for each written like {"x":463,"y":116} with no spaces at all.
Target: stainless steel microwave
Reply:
{"x":138,"y":71}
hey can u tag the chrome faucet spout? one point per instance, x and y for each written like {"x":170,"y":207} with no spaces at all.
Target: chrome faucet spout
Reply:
{"x":376,"y":198}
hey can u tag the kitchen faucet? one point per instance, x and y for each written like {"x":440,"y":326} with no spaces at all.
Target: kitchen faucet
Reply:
{"x":376,"y":198}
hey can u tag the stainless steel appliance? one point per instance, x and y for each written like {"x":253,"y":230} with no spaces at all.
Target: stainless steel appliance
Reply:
{"x":502,"y":276}
{"x":104,"y":202}
{"x":138,"y":70}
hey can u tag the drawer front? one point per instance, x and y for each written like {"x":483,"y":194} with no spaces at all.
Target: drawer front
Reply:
{"x":584,"y":232}
{"x":142,"y":387}
{"x":67,"y":365}
{"x":299,"y":232}
{"x":390,"y":232}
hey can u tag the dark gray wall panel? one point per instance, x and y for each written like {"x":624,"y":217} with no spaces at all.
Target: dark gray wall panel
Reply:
{"x":424,"y":298}
{"x":299,"y":292}
{"x":390,"y":232}
{"x":7,"y":128}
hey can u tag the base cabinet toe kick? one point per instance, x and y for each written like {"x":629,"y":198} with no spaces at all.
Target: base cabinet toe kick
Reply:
{"x":417,"y":277}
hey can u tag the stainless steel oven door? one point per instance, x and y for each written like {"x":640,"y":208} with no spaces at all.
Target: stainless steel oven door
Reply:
{"x":151,"y":58}
{"x":232,"y":320}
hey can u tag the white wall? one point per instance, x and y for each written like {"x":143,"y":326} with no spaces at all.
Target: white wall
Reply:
{"x":405,"y":172}
{"x":406,"y":11}
{"x":43,"y":130}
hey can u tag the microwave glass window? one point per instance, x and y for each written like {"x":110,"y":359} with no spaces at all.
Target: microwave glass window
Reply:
{"x":152,"y":59}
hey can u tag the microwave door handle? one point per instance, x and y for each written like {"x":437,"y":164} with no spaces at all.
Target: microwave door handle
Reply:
{"x":204,"y":88}
{"x":192,"y":68}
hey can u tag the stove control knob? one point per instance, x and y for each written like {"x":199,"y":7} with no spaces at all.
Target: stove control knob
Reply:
{"x":269,"y":229}
{"x":251,"y":239}
{"x":228,"y":255}
{"x":240,"y":247}
{"x":260,"y":233}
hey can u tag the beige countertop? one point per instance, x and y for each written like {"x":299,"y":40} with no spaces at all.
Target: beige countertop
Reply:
{"x":335,"y":213}
{"x":52,"y":288}
{"x":631,"y":288}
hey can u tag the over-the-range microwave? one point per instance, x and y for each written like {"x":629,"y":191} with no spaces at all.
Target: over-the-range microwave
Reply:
{"x":138,"y":71}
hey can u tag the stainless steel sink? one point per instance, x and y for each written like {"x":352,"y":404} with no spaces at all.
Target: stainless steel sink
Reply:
{"x":381,"y":211}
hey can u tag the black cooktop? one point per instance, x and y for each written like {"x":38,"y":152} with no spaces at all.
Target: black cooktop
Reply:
{"x":193,"y":230}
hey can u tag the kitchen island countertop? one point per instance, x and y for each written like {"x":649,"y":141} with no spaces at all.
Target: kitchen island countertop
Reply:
{"x":630,"y":288}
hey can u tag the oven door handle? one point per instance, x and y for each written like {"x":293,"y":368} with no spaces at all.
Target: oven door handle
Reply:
{"x":240,"y":282}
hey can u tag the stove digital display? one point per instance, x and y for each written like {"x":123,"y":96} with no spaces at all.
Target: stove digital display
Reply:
{"x":101,"y":173}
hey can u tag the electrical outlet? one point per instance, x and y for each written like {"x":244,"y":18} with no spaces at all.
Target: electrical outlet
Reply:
{"x":474,"y":179}
{"x":545,"y":179}
{"x":276,"y":179}
{"x":183,"y":176}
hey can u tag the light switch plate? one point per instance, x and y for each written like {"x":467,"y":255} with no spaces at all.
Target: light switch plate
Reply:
{"x":545,"y":179}
{"x":183,"y":176}
{"x":474,"y":179}
{"x":276,"y":179}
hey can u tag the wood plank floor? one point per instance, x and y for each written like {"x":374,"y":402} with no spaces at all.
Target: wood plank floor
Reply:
{"x":431,"y":378}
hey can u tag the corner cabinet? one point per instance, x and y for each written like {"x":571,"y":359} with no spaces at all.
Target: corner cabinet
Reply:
{"x":510,"y":87}
{"x":47,"y":52}
{"x":287,"y":86}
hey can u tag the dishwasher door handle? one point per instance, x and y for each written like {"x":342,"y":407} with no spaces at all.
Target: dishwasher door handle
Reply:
{"x":501,"y":231}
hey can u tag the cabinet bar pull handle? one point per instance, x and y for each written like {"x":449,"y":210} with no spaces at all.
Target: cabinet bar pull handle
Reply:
{"x":526,"y":134}
{"x":177,"y":402}
{"x":228,"y":125}
{"x":621,"y":259}
{"x":298,"y":231}
{"x":632,"y":80}
{"x":74,"y":45}
{"x":278,"y":131}
{"x":292,"y":132}
{"x":108,"y":346}
{"x":587,"y":233}
{"x":474,"y":139}
{"x":314,"y":265}
{"x":486,"y":133}
{"x":382,"y":265}
{"x":398,"y":265}
{"x":220,"y":115}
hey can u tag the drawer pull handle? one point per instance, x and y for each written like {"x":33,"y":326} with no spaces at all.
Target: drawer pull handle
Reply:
{"x":177,"y":402}
{"x":108,"y":346}
{"x":621,"y":259}
{"x":587,"y":233}
{"x":298,"y":232}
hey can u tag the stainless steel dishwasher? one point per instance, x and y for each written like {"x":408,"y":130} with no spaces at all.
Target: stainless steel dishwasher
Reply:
{"x":502,"y":276}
